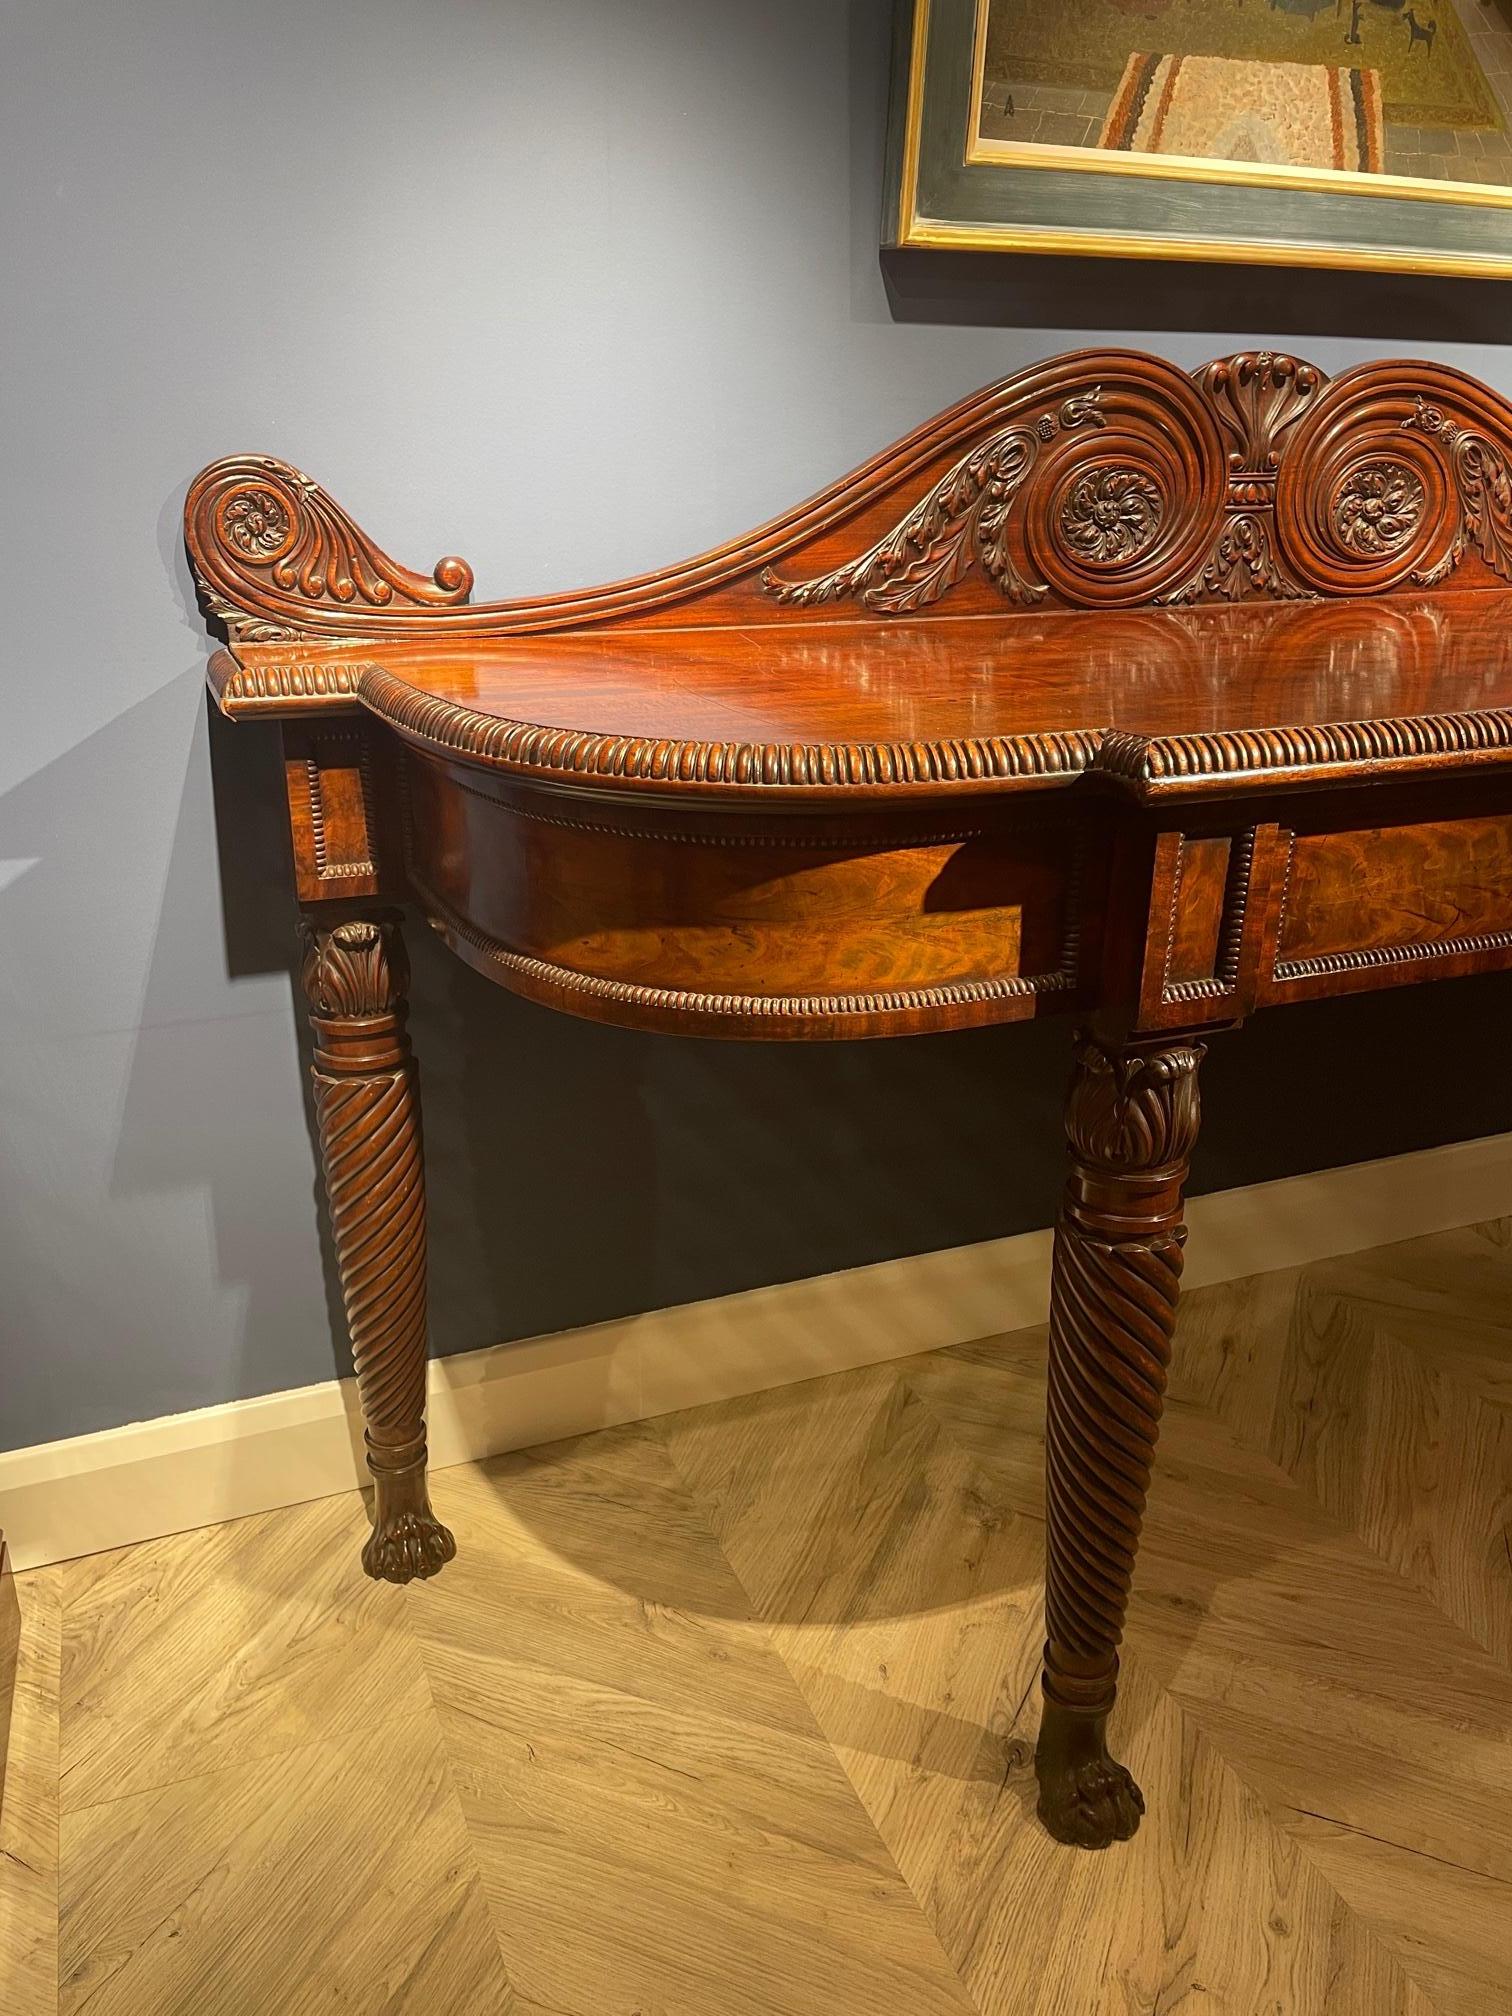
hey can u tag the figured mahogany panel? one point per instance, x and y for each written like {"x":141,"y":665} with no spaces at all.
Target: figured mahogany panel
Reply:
{"x":785,"y":927}
{"x":1374,"y":904}
{"x":1199,"y":888}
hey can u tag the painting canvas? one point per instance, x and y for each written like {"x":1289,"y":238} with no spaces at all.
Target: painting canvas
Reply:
{"x":1364,"y":132}
{"x":1347,"y":87}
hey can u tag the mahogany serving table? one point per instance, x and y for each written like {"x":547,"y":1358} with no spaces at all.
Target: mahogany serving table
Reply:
{"x":1147,"y":698}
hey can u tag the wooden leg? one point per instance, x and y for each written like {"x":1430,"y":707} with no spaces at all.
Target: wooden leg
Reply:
{"x":1131,"y":1122}
{"x":367,"y":1103}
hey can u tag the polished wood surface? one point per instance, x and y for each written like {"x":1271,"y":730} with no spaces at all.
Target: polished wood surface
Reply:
{"x":1018,"y":699}
{"x":733,"y":1713}
{"x":1148,"y":697}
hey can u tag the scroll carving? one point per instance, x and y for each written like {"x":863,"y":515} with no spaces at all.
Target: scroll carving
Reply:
{"x":1131,"y":1124}
{"x":1104,"y":479}
{"x":266,"y":540}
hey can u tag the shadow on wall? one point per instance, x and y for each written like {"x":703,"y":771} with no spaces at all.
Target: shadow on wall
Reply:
{"x":1006,"y":291}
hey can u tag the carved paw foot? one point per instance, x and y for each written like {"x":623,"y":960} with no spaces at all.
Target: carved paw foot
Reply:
{"x":407,"y":1546}
{"x":1091,"y":1804}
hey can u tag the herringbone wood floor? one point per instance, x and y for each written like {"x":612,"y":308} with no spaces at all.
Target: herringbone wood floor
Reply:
{"x":731,"y":1714}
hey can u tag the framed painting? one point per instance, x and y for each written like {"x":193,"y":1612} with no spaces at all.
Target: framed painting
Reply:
{"x":1368,"y":133}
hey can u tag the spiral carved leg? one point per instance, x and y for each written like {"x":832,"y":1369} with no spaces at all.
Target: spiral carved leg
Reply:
{"x":367,"y":1105}
{"x":1131,"y":1122}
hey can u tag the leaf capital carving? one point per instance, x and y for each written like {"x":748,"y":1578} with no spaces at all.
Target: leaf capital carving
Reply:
{"x":1134,"y":1109}
{"x":354,"y":969}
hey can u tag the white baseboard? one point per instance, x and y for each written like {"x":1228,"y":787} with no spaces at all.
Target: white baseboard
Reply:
{"x":149,"y":1478}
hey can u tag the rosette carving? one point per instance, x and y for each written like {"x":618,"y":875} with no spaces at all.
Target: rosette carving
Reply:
{"x":1131,"y":1123}
{"x":1111,"y":515}
{"x":1378,"y":507}
{"x":270,"y":549}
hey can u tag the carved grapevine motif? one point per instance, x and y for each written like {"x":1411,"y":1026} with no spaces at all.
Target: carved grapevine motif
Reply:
{"x":1111,"y":515}
{"x":962,"y":522}
{"x":1483,"y":489}
{"x":1379,"y":507}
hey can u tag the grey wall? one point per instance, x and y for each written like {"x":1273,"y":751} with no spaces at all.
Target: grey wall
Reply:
{"x":573,"y":289}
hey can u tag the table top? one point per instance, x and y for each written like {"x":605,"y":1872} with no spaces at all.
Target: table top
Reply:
{"x":1167,"y":699}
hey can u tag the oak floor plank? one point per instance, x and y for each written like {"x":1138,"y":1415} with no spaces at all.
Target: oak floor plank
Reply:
{"x":29,"y":1818}
{"x":323,"y":1879}
{"x":183,"y":1654}
{"x":659,"y":1821}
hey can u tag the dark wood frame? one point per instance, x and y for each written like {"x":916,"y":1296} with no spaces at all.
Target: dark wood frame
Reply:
{"x":1145,"y":697}
{"x":938,"y":195}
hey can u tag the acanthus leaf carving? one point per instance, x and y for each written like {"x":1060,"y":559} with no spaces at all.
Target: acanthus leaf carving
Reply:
{"x":1482,"y":479}
{"x":962,"y":522}
{"x":1134,"y":1109}
{"x":354,"y":969}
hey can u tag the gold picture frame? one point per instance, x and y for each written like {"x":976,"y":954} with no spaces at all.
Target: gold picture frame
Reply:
{"x":952,"y":184}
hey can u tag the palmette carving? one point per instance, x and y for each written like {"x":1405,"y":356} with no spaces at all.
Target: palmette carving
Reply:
{"x":1242,"y":566}
{"x":1131,"y":1123}
{"x":368,"y":1119}
{"x":1256,"y":396}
